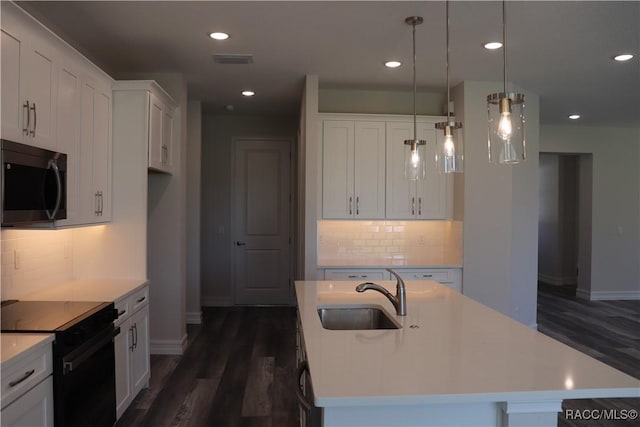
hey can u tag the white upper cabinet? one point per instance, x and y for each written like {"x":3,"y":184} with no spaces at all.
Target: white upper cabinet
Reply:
{"x":363,"y":169}
{"x":422,"y":199}
{"x":161,"y":113}
{"x":28,"y":82}
{"x":158,"y":126}
{"x":95,"y":151}
{"x":54,"y":98}
{"x":353,"y":164}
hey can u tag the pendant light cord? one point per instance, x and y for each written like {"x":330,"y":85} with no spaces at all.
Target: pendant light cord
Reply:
{"x":415,"y":127}
{"x":504,"y":43}
{"x":448,"y":89}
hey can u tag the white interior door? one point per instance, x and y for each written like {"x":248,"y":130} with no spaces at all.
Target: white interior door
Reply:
{"x":261,"y":215}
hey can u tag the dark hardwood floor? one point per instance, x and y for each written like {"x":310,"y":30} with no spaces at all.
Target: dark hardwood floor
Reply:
{"x":606,"y":330}
{"x":238,"y":369}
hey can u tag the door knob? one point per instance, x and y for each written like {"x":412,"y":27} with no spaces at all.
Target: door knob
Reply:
{"x":240,"y":243}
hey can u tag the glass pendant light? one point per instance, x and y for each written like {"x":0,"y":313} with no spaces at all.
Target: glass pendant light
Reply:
{"x":450,"y":156}
{"x":506,"y":141}
{"x":414,"y":157}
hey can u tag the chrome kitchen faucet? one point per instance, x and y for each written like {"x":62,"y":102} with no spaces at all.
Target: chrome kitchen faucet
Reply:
{"x":399,"y":301}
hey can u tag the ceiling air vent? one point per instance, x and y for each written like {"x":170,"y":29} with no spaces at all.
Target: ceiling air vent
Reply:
{"x":232,"y":58}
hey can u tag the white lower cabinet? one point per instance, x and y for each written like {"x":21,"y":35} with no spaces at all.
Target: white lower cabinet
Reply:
{"x":356,"y":274}
{"x":450,"y":277}
{"x":34,"y":408}
{"x":26,"y":383}
{"x":132,"y":348}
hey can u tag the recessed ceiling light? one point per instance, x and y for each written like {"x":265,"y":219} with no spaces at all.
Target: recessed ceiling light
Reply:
{"x":393,"y":64}
{"x":219,"y":36}
{"x":248,"y":93}
{"x":623,"y":57}
{"x":574,"y":116}
{"x":492,"y":45}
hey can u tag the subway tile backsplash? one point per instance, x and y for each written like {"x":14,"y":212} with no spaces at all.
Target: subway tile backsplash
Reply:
{"x":388,"y":243}
{"x":34,"y":259}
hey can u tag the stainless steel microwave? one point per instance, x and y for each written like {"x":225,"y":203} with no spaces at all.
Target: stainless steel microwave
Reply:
{"x":34,"y":184}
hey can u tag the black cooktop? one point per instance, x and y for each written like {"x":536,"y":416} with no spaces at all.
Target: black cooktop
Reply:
{"x":46,"y":316}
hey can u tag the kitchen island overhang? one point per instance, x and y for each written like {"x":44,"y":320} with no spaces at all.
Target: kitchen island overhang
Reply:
{"x":453,"y":362}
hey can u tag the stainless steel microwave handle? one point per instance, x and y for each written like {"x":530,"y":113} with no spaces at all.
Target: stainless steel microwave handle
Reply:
{"x":302,"y":368}
{"x":73,"y":361}
{"x":53,"y":165}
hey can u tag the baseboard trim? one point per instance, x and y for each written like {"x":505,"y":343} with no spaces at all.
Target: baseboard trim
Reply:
{"x":582,"y":294}
{"x":215,"y":302}
{"x":175,"y":347}
{"x":194,"y":317}
{"x":557,"y":281}
{"x":614,"y":295}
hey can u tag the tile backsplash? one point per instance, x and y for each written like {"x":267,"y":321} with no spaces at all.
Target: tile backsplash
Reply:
{"x":34,"y":259}
{"x":388,"y":243}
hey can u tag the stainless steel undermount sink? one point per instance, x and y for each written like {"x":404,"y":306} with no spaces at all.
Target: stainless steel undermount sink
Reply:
{"x":355,"y":318}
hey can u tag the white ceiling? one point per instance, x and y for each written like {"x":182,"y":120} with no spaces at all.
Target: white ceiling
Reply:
{"x":559,"y":50}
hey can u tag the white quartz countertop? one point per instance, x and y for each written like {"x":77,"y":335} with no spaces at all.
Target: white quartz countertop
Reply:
{"x":88,"y":290}
{"x":450,"y":349}
{"x":14,"y":345}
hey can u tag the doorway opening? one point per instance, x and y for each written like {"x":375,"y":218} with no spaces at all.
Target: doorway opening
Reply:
{"x":564,"y":223}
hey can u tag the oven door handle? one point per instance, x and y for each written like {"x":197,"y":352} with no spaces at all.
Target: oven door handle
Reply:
{"x":80,"y":355}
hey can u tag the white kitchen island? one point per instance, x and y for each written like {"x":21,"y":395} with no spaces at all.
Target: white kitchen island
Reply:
{"x":454,"y":362}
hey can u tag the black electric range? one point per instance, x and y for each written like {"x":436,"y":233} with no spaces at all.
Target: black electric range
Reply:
{"x":83,"y":355}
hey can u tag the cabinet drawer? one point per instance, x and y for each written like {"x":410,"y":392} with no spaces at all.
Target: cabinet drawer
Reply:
{"x":442,"y":276}
{"x":140,"y":299}
{"x":123,"y":307}
{"x":369,"y":274}
{"x":25,"y":374}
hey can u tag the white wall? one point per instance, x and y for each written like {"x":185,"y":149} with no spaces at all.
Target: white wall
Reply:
{"x":615,"y":228}
{"x":194,"y":153}
{"x":500,"y":211}
{"x":312,"y":173}
{"x":218,"y":133}
{"x":368,"y":101}
{"x":166,"y":235}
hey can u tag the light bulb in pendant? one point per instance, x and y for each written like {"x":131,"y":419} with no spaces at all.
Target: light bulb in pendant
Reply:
{"x":505,"y":128}
{"x":449,"y":147}
{"x":449,"y":152}
{"x":508,"y":153}
{"x":415,"y":158}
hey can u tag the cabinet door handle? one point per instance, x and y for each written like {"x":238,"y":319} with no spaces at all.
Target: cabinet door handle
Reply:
{"x":96,"y":211}
{"x":131,"y":346}
{"x":350,"y":205}
{"x":358,"y":205}
{"x":302,"y":400}
{"x":357,"y":276}
{"x":22,"y":378}
{"x":35,"y":119}
{"x":25,"y":128}
{"x":419,"y":205}
{"x":122,"y":313}
{"x":423,"y":275}
{"x":135,"y":341}
{"x":413,"y":206}
{"x":240,"y":243}
{"x":101,"y":202}
{"x":140,"y":300}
